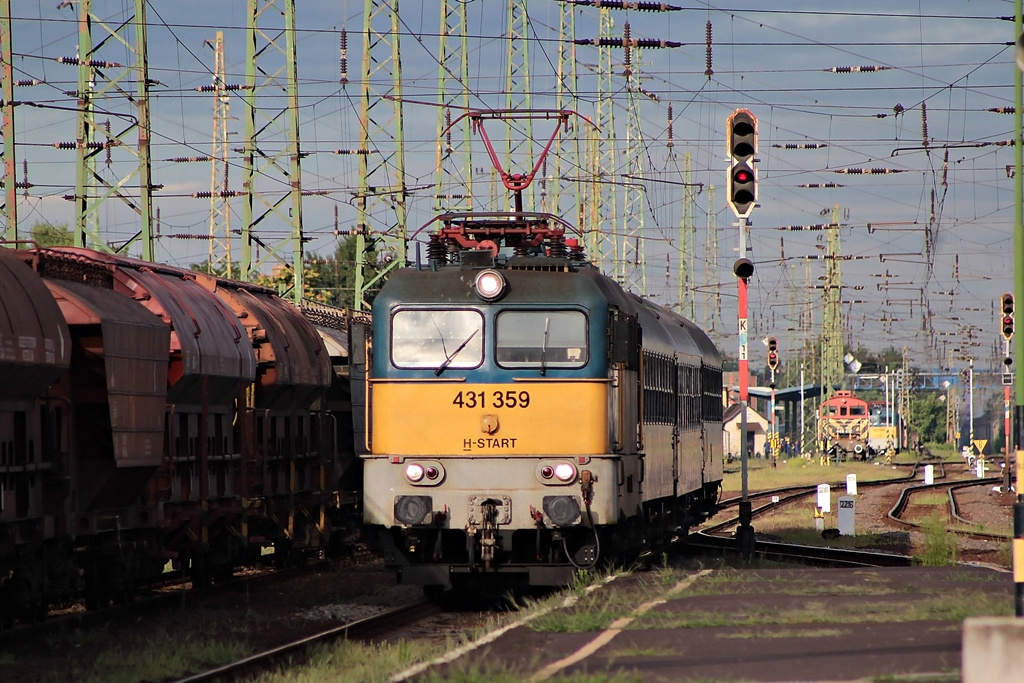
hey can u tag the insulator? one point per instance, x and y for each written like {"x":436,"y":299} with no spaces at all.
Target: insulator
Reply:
{"x":521,"y":249}
{"x":222,"y":194}
{"x":655,"y":42}
{"x":638,"y":5}
{"x":709,"y":72}
{"x":1002,"y":110}
{"x":628,"y":59}
{"x":315,"y":193}
{"x":801,"y":145}
{"x":857,"y":69}
{"x":351,"y":151}
{"x":186,"y":160}
{"x":187,"y":236}
{"x":344,"y":57}
{"x":435,"y":249}
{"x":27,"y":83}
{"x":557,"y":249}
{"x":924,"y":124}
{"x":448,"y":129}
{"x":75,"y":61}
{"x":648,"y":94}
{"x":821,"y":185}
{"x":671,"y":144}
{"x":869,"y":171}
{"x":74,"y":145}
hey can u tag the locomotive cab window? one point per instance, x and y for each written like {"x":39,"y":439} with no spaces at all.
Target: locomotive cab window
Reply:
{"x":437,"y":339}
{"x":549,"y":339}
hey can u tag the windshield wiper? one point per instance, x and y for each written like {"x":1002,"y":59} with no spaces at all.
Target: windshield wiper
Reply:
{"x":447,"y":361}
{"x":544,"y":347}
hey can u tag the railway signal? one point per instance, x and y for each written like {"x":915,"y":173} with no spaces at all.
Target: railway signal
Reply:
{"x":741,"y":143}
{"x":773,"y":353}
{"x":1007,"y":319}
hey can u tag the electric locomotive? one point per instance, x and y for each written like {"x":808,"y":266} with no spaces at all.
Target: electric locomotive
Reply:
{"x":525,"y":416}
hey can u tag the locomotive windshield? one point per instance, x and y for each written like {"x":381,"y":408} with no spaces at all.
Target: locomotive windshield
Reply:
{"x":548,"y":339}
{"x":437,"y":339}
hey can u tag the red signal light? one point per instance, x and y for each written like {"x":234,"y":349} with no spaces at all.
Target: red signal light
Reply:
{"x":742,"y":176}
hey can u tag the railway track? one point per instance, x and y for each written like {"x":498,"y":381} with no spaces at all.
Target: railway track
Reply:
{"x":895,"y":514}
{"x":362,"y":629}
{"x":717,"y":537}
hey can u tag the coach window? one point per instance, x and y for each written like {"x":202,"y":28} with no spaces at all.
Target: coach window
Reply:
{"x":858,"y":411}
{"x":437,"y":338}
{"x":549,"y":339}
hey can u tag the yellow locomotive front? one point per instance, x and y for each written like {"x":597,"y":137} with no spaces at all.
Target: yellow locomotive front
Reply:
{"x":488,"y":433}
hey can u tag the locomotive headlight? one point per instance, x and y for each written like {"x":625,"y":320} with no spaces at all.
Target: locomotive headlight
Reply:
{"x":490,"y":285}
{"x":414,"y":472}
{"x":425,"y":473}
{"x":565,"y":472}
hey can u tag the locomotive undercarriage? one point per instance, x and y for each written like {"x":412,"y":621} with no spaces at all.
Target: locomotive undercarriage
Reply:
{"x":439,"y":558}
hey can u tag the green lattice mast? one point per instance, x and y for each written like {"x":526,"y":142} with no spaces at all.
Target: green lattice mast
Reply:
{"x":10,"y":198}
{"x":382,"y":191}
{"x":601,"y":241}
{"x":107,"y":80}
{"x":519,"y":144}
{"x":453,"y":180}
{"x":831,"y":313}
{"x":271,"y":148}
{"x":632,"y":271}
{"x":219,"y":260}
{"x":566,"y":197}
{"x":687,"y":228}
{"x":712,"y":300}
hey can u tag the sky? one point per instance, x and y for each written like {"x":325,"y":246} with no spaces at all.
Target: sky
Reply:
{"x":929,"y":246}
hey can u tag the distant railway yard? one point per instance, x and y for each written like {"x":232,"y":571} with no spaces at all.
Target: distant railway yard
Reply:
{"x":696,"y":613}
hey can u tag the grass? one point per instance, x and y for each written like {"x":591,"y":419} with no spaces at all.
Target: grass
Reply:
{"x":940,"y":545}
{"x":131,"y":660}
{"x":930,"y":499}
{"x":944,"y":607}
{"x":799,"y":472}
{"x":349,"y":661}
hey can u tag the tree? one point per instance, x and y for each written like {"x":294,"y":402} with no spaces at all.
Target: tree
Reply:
{"x":50,"y":235}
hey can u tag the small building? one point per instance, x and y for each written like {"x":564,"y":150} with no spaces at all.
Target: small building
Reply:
{"x":757,"y":431}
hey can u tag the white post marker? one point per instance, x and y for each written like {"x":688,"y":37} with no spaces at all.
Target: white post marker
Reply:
{"x":847,"y":508}
{"x":825,"y":497}
{"x":929,"y":475}
{"x":851,"y":484}
{"x":980,"y":462}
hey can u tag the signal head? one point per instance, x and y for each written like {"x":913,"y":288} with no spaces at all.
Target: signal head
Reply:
{"x":741,"y":135}
{"x":773,"y":353}
{"x":1007,"y":319}
{"x":741,"y":144}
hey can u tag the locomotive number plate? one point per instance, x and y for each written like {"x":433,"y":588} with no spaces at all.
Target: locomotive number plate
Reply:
{"x":492,"y":399}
